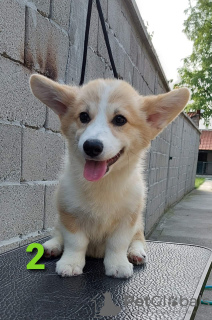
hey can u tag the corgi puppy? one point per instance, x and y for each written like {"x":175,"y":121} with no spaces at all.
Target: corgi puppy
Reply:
{"x":101,"y":194}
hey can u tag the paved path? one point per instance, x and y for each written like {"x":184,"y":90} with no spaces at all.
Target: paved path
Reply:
{"x":190,"y":221}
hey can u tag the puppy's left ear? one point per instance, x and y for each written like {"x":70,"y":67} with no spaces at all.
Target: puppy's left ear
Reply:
{"x":162,"y":109}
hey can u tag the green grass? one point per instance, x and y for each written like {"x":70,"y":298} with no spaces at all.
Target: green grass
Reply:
{"x":198,"y":182}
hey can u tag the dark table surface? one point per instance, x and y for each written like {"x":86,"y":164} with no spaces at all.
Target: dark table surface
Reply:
{"x":166,"y":287}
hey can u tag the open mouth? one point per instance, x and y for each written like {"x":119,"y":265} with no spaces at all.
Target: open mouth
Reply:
{"x":95,"y":170}
{"x":114,"y":159}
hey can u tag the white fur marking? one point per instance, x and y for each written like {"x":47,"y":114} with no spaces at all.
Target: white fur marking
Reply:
{"x":115,"y":261}
{"x":73,"y":259}
{"x":99,"y":129}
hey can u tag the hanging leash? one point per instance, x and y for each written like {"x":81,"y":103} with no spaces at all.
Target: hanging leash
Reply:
{"x":106,"y":38}
{"x":87,"y":29}
{"x":90,"y":2}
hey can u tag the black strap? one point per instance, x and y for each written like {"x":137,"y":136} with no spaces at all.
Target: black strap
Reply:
{"x":106,"y":39}
{"x":90,"y":2}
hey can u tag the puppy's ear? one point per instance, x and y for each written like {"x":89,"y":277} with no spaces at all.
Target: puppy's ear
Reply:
{"x":56,"y":96}
{"x":162,"y":109}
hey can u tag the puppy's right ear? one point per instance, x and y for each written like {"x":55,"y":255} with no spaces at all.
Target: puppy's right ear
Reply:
{"x":56,"y":96}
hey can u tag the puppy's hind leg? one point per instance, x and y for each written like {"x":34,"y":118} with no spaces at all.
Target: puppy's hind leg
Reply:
{"x":54,"y":246}
{"x":136,"y":251}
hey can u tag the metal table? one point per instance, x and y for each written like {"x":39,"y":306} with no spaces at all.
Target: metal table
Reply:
{"x":167,"y":287}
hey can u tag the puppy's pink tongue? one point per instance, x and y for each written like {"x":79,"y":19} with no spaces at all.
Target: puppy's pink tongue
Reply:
{"x":94,"y":170}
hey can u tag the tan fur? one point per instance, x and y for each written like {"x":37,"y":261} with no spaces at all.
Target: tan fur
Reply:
{"x":139,"y":236}
{"x":69,"y":221}
{"x":135,"y":215}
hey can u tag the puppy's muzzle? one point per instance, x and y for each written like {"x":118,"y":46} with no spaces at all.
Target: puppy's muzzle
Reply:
{"x":93,"y":147}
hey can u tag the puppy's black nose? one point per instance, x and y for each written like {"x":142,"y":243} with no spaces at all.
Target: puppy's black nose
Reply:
{"x":93,"y":147}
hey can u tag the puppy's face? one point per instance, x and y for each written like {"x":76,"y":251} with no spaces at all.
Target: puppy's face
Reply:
{"x":106,"y":125}
{"x":106,"y":122}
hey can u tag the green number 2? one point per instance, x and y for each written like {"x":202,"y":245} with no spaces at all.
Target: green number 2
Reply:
{"x":32,"y":264}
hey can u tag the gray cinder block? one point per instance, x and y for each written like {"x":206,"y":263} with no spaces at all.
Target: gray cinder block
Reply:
{"x":149,"y":74}
{"x":60,"y":12}
{"x":119,"y":23}
{"x":17,"y":101}
{"x":108,"y":73}
{"x":137,"y":81}
{"x":140,"y":60}
{"x":101,"y":46}
{"x":50,"y":206}
{"x":48,"y":54}
{"x":22,"y":209}
{"x":42,"y":155}
{"x":94,"y":26}
{"x":92,"y":72}
{"x":76,"y":37}
{"x":43,"y":6}
{"x":104,"y":5}
{"x":118,"y":54}
{"x":128,"y":70}
{"x":133,"y":48}
{"x":12,"y":29}
{"x":160,"y":87}
{"x":52,"y":121}
{"x":10,"y":152}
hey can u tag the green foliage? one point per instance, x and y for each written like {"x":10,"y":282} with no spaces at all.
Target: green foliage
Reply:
{"x":196,"y":72}
{"x":198,"y":182}
{"x":151,"y":34}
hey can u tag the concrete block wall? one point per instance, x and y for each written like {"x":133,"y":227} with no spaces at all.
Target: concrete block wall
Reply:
{"x":47,"y":37}
{"x":171,"y":167}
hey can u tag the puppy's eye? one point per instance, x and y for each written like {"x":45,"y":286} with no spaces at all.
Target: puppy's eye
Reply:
{"x":119,"y":120}
{"x":84,"y":117}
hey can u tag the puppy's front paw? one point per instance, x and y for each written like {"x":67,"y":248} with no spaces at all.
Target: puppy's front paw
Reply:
{"x":137,"y":259}
{"x":120,"y":270}
{"x":136,"y":253}
{"x":52,"y":248}
{"x":65,"y":269}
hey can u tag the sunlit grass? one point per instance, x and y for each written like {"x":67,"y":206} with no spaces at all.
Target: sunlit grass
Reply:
{"x":198,"y":182}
